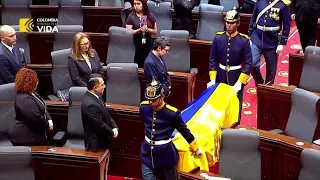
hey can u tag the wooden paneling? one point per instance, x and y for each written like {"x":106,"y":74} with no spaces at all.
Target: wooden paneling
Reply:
{"x":267,"y":160}
{"x":295,"y":68}
{"x":67,"y":163}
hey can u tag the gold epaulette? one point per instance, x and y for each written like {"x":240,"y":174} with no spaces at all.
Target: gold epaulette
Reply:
{"x":171,"y":108}
{"x":286,"y":2}
{"x":220,"y":32}
{"x":244,"y":35}
{"x":144,"y":102}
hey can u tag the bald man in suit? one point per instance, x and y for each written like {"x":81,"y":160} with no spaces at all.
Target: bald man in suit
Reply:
{"x":11,"y":59}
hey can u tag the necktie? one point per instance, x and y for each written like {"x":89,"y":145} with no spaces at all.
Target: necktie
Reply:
{"x":12,"y":51}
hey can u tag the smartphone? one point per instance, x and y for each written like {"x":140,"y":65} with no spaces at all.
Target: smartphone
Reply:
{"x":143,"y":20}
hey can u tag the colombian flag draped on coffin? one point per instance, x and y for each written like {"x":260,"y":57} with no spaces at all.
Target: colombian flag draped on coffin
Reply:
{"x":217,"y":107}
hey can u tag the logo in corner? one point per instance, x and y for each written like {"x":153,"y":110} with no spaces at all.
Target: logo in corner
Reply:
{"x":26,"y":25}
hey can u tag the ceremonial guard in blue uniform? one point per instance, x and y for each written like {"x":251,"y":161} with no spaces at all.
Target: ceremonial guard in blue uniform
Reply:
{"x":158,"y":153}
{"x":230,"y":56}
{"x":268,"y":31}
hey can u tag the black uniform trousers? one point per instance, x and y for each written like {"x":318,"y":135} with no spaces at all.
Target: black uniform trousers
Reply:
{"x":308,"y":32}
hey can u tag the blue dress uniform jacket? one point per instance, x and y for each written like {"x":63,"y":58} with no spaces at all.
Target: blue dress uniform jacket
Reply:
{"x":159,"y":125}
{"x":276,"y":16}
{"x":156,"y":68}
{"x":230,"y":50}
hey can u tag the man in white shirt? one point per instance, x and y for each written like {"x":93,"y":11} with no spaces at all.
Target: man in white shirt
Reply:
{"x":11,"y":60}
{"x":99,"y":127}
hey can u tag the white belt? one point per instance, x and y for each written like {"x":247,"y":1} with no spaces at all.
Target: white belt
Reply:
{"x":161,"y":142}
{"x":262,"y":28}
{"x":229,"y":68}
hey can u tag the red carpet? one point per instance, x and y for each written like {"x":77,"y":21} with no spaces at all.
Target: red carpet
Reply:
{"x":119,"y":178}
{"x":249,"y":111}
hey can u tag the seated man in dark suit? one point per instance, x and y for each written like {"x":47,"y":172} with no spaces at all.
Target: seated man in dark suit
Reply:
{"x":99,"y":127}
{"x":11,"y":60}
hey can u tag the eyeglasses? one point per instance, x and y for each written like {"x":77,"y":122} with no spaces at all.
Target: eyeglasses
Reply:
{"x":85,"y":44}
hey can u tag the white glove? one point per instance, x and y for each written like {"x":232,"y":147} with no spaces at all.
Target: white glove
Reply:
{"x":212,"y":82}
{"x":50,"y":124}
{"x":198,"y":152}
{"x":115,"y":133}
{"x":279,"y":48}
{"x":237,"y":86}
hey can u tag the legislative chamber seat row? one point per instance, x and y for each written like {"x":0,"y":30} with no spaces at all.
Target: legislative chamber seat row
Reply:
{"x":292,"y":111}
{"x":232,"y":141}
{"x":48,"y":162}
{"x":268,"y":141}
{"x":300,"y":117}
{"x":70,"y":13}
{"x":121,"y":49}
{"x":16,"y":163}
{"x":279,"y":152}
{"x":43,"y":156}
{"x":303,"y":118}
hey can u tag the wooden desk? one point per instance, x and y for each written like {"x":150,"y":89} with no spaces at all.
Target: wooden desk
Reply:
{"x":67,"y":163}
{"x":125,"y":151}
{"x":280,"y":155}
{"x":182,"y":85}
{"x":274,"y":105}
{"x":295,"y":68}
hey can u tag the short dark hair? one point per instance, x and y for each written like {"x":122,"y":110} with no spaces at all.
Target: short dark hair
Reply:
{"x":93,"y":81}
{"x":161,"y":42}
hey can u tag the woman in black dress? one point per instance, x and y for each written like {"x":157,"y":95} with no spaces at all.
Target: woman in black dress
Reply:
{"x":32,"y":120}
{"x":144,"y":25}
